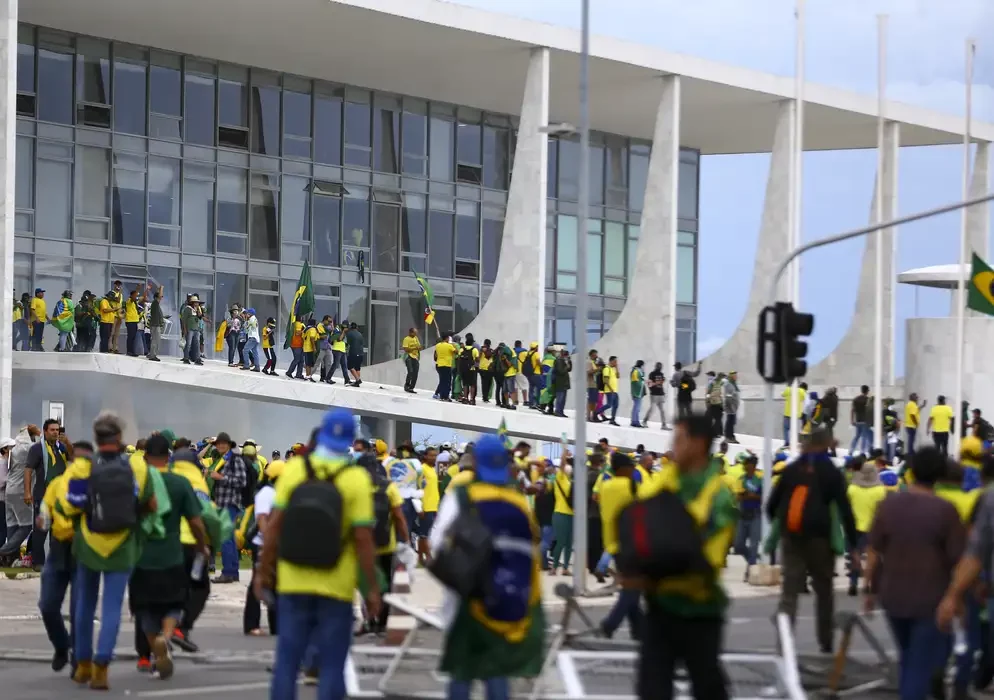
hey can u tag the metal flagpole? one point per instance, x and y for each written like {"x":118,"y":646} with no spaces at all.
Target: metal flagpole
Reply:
{"x":971,"y":50}
{"x":878,"y":211}
{"x":797,"y":194}
{"x":580,"y":324}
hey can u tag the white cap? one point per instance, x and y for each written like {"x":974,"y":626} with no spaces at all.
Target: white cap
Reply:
{"x":6,"y":442}
{"x":446,"y":446}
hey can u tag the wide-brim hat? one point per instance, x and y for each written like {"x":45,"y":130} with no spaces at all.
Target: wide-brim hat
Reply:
{"x":194,"y":299}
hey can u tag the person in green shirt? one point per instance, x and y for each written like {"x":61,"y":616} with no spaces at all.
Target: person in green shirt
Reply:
{"x":160,"y":582}
{"x":638,"y":392}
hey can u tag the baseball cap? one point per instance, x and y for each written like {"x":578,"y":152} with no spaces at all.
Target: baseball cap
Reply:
{"x":381,"y":448}
{"x":337,"y":431}
{"x":6,"y":442}
{"x":446,"y":446}
{"x":491,"y":460}
{"x":38,"y":289}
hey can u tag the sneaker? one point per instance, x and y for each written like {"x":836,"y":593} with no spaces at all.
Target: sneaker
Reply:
{"x":224,"y":578}
{"x":144,"y":664}
{"x":163,"y":659}
{"x":60,"y":659}
{"x":183,"y":641}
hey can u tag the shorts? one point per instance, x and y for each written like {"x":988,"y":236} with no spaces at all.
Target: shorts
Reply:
{"x":354,"y":362}
{"x":592,"y":395}
{"x":522,"y":381}
{"x":510,"y":384}
{"x":426,"y":521}
{"x":309,"y":359}
{"x":468,"y":377}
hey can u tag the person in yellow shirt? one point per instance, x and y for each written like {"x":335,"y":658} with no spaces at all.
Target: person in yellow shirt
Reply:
{"x":466,"y":364}
{"x":865,"y":493}
{"x":788,"y":408}
{"x":386,"y":536}
{"x":310,"y":348}
{"x":971,"y":455}
{"x":445,"y":355}
{"x":615,"y":494}
{"x":562,"y":514}
{"x":610,"y":373}
{"x":411,"y":346}
{"x":430,"y":497}
{"x":940,"y":423}
{"x":315,"y":587}
{"x":338,"y":353}
{"x":132,"y":315}
{"x":912,"y":418}
{"x":39,"y":317}
{"x":268,"y":341}
{"x":117,"y":293}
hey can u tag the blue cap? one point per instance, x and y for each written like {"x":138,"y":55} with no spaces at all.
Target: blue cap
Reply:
{"x":492,"y":460}
{"x":251,"y":311}
{"x":39,"y":290}
{"x":337,"y":431}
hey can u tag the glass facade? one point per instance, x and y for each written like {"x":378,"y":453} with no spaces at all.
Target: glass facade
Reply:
{"x":222,"y":180}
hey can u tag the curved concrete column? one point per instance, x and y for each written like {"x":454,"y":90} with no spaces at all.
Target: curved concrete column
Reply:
{"x":646,"y":327}
{"x":515,"y":309}
{"x":851,"y":363}
{"x":739,"y":351}
{"x":8,"y":87}
{"x":978,"y":217}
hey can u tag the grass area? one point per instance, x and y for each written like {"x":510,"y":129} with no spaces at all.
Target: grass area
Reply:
{"x":12,"y":573}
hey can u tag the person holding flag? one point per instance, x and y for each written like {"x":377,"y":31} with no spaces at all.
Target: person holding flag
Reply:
{"x":64,"y":319}
{"x":301,"y":306}
{"x":429,"y":296}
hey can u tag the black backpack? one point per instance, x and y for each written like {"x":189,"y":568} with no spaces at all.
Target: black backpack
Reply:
{"x":251,"y":483}
{"x":599,"y":379}
{"x":111,"y":498}
{"x":384,"y":516}
{"x":528,"y":369}
{"x":312,"y":522}
{"x":462,"y":561}
{"x":466,"y":359}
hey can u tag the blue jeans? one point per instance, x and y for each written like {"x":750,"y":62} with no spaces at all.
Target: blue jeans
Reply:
{"x":545,"y":544}
{"x":628,"y":605}
{"x":863,"y":438}
{"x":496,"y":689}
{"x":909,"y":443}
{"x":63,"y":338}
{"x":747,"y":538}
{"x":297,"y":363}
{"x":560,"y":402}
{"x":252,"y":353}
{"x":229,"y":550}
{"x":21,"y":334}
{"x":535,"y":385}
{"x":88,"y":583}
{"x":319,"y":622}
{"x":856,"y":565}
{"x":922,"y":648}
{"x":37,"y":331}
{"x":786,"y":430}
{"x":603,"y":563}
{"x":444,"y":388}
{"x":55,"y":579}
{"x":610,"y":401}
{"x":191,"y":352}
{"x":636,"y":410}
{"x":964,"y":662}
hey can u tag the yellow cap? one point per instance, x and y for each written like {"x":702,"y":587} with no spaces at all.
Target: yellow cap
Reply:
{"x":249,"y":451}
{"x":381,"y":448}
{"x":130,"y":449}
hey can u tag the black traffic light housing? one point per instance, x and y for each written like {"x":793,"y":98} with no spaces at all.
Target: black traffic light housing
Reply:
{"x":780,"y":352}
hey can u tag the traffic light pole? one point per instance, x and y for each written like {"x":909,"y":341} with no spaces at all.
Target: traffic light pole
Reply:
{"x":768,"y":407}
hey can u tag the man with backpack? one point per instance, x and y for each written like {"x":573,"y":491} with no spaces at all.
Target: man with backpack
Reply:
{"x":531,"y":371}
{"x":808,"y":504}
{"x":233,"y":489}
{"x":316,"y":577}
{"x":716,"y":402}
{"x":469,"y":359}
{"x":683,"y":381}
{"x":110,"y":495}
{"x":492,"y":612}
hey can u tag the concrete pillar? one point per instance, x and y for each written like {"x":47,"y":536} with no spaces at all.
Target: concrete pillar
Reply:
{"x":8,"y":88}
{"x":978,"y":217}
{"x":650,"y":311}
{"x":851,"y":363}
{"x":739,"y":351}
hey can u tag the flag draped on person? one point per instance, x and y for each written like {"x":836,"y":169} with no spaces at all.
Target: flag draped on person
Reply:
{"x":981,"y":291}
{"x":502,"y":433}
{"x":429,"y":299}
{"x":302,"y":304}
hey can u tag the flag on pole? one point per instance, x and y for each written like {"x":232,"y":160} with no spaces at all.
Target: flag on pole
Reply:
{"x":302,"y":304}
{"x":981,"y":290}
{"x":502,"y":433}
{"x":429,"y":298}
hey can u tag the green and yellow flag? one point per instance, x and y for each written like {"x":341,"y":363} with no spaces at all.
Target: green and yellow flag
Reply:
{"x":429,"y":298}
{"x":302,"y":304}
{"x":981,"y":289}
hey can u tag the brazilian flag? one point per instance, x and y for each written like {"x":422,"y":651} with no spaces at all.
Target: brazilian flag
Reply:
{"x":981,"y":290}
{"x":302,"y":304}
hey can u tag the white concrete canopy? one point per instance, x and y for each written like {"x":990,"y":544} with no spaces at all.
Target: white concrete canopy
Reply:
{"x":447,"y":52}
{"x":936,"y":276}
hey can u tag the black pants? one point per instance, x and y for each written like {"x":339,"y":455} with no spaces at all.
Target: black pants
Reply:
{"x":941,"y":442}
{"x":241,"y":351}
{"x":729,"y":426}
{"x":444,"y":388}
{"x":38,"y":537}
{"x":412,"y":372}
{"x":385,"y":563}
{"x":105,"y":330}
{"x":667,"y":640}
{"x":500,"y":396}
{"x":683,"y":407}
{"x":252,"y":615}
{"x":715,"y":413}
{"x":198,"y":592}
{"x":270,"y":354}
{"x":803,"y":557}
{"x":486,"y":384}
{"x":132,"y":329}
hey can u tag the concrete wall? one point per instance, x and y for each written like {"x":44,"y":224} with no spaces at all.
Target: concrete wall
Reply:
{"x":930,"y":360}
{"x":8,"y":87}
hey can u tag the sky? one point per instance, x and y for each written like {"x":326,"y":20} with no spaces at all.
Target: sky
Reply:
{"x":925,"y":66}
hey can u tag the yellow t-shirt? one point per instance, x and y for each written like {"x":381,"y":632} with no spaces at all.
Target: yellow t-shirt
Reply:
{"x":864,"y":501}
{"x":733,"y":477}
{"x":512,"y":370}
{"x":964,"y":502}
{"x":337,"y":345}
{"x":610,"y":380}
{"x":971,"y":450}
{"x":310,"y":338}
{"x":464,"y":477}
{"x":615,"y":494}
{"x":942,"y":417}
{"x":787,"y":402}
{"x":357,"y":511}
{"x":107,"y":311}
{"x":485,"y":362}
{"x":411,"y":346}
{"x":445,"y":354}
{"x":267,"y":337}
{"x":130,"y":311}
{"x":39,"y":310}
{"x":429,"y":485}
{"x":911,"y":414}
{"x":562,"y":488}
{"x":393,"y":495}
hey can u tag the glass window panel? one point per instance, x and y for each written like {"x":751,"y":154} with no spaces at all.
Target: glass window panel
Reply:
{"x":129,"y":202}
{"x":198,"y":216}
{"x":163,"y":191}
{"x":232,"y":245}
{"x":596,"y":174}
{"x":614,"y":249}
{"x":614,"y":288}
{"x":386,"y":138}
{"x":632,"y":251}
{"x":228,"y":289}
{"x":295,"y":217}
{"x":25,"y":59}
{"x":129,"y":96}
{"x":55,"y":83}
{"x":495,"y":158}
{"x":232,"y":197}
{"x":417,"y":264}
{"x":266,"y":120}
{"x":296,"y":124}
{"x":440,"y":259}
{"x":569,"y":167}
{"x":468,"y":143}
{"x":53,"y":188}
{"x":414,"y":233}
{"x":357,"y":134}
{"x":165,"y":80}
{"x":52,"y":275}
{"x":199,"y":109}
{"x":264,"y":237}
{"x":232,"y":96}
{"x":685,"y":347}
{"x":326,"y":230}
{"x":89,"y":276}
{"x":493,"y":231}
{"x":468,"y":231}
{"x":415,"y":139}
{"x":616,"y":167}
{"x":92,"y":181}
{"x":354,"y":305}
{"x":686,"y":281}
{"x":383,"y":344}
{"x":355,"y":226}
{"x":566,"y":281}
{"x":638,"y":172}
{"x":328,"y":129}
{"x":566,"y":243}
{"x":466,"y":310}
{"x":553,"y":176}
{"x":687,"y":191}
{"x":594,"y":241}
{"x":24,"y":163}
{"x":386,"y":237}
{"x":441,"y":149}
{"x":92,"y":71}
{"x":266,"y":306}
{"x":410,"y":314}
{"x":22,"y":274}
{"x":550,"y":257}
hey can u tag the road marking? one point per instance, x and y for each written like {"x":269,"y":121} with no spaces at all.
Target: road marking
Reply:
{"x":198,"y":690}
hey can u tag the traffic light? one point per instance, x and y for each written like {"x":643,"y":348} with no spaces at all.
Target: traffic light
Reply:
{"x":780,"y":353}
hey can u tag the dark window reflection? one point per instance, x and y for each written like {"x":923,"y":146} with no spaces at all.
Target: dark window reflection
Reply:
{"x":440,"y":257}
{"x":129,"y":205}
{"x":553,"y":178}
{"x":129,"y":98}
{"x":25,"y":60}
{"x":231,"y":103}
{"x":468,"y":235}
{"x":325,"y":233}
{"x":296,"y":124}
{"x":495,"y":158}
{"x":415,"y":137}
{"x":232,"y":197}
{"x":569,"y":167}
{"x":357,"y":135}
{"x":55,"y":101}
{"x":355,"y":226}
{"x":386,"y":139}
{"x":468,"y":143}
{"x":264,"y":238}
{"x":229,"y":289}
{"x":493,"y":232}
{"x":93,"y":71}
{"x":413,"y":232}
{"x":386,"y":237}
{"x":466,"y":309}
{"x":199,"y":109}
{"x":166,"y":86}
{"x":266,"y":120}
{"x":383,"y":343}
{"x":638,"y":172}
{"x":328,"y":130}
{"x":410,"y":314}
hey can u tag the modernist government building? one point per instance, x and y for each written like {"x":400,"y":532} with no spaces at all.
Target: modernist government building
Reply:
{"x":214,"y":147}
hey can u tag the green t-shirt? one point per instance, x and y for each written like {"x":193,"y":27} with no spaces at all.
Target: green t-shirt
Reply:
{"x":167,"y":553}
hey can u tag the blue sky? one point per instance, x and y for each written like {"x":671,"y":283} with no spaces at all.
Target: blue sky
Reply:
{"x":925,"y":67}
